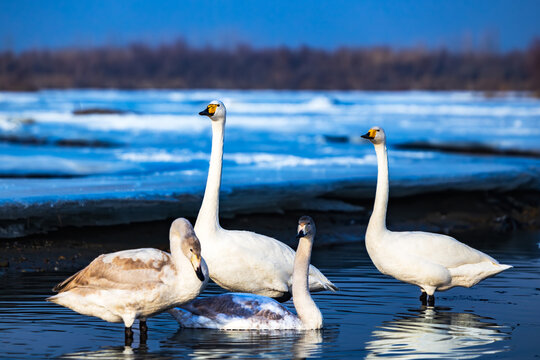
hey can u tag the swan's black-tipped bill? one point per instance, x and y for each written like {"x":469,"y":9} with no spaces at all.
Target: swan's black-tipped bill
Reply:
{"x":199,"y":273}
{"x":205,"y":112}
{"x":367,"y":136}
{"x":300,"y":234}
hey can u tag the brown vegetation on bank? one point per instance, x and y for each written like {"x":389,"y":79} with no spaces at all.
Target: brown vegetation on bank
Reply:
{"x":180,"y":66}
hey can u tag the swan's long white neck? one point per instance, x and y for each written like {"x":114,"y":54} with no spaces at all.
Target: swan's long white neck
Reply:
{"x":307,"y":310}
{"x":377,"y":222}
{"x":208,"y":217}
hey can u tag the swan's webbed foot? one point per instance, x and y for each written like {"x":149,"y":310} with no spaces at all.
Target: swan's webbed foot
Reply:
{"x":423,"y":298}
{"x":284,"y":297}
{"x":128,"y":336}
{"x":431,"y":300}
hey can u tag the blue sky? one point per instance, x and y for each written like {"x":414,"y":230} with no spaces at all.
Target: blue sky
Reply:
{"x":455,"y":24}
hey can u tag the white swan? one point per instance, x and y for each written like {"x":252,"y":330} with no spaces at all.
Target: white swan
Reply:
{"x":431,"y":261}
{"x":239,"y":311}
{"x":139,"y":283}
{"x":243,"y":261}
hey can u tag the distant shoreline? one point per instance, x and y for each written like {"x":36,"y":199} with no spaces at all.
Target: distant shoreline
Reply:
{"x":179,"y":66}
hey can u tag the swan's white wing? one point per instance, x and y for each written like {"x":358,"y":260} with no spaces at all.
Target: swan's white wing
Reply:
{"x":251,"y":255}
{"x":254,"y":255}
{"x":120,"y":270}
{"x":439,"y":249}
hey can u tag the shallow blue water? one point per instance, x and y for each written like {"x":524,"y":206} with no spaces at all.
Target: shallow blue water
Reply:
{"x":371,"y":316}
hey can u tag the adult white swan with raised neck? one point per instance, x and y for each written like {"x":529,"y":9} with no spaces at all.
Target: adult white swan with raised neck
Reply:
{"x":430,"y":261}
{"x":243,"y":261}
{"x":240,"y":311}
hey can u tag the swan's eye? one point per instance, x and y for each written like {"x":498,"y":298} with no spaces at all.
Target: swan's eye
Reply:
{"x":191,"y":250}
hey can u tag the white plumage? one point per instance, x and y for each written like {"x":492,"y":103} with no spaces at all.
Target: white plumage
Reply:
{"x":243,"y":261}
{"x":430,"y":261}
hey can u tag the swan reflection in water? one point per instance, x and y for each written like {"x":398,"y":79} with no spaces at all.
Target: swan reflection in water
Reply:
{"x":212,"y":344}
{"x":113,"y":352}
{"x":207,"y":344}
{"x":434,"y":333}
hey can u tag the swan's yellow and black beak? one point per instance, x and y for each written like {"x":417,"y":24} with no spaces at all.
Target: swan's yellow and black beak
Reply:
{"x":370,"y":135}
{"x":196,"y":263}
{"x":210,"y":110}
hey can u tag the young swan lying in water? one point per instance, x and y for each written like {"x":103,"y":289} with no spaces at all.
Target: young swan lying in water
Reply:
{"x":239,"y":311}
{"x":430,"y":261}
{"x":136,"y":284}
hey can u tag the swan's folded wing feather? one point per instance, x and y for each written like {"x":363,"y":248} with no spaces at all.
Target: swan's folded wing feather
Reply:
{"x":276,"y":257}
{"x":440,"y":249}
{"x":317,"y":280}
{"x":266,"y":255}
{"x":120,"y":270}
{"x":237,"y":305}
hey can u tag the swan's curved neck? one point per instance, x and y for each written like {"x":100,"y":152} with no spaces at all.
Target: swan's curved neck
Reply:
{"x":176,"y":249}
{"x":209,"y":213}
{"x":377,"y":222}
{"x":307,"y":310}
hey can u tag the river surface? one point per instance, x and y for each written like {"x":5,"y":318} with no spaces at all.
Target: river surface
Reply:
{"x":371,"y":316}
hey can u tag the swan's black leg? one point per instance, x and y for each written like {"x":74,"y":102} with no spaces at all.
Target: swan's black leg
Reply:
{"x":284,"y":297}
{"x":143,"y":328}
{"x":128,"y":336}
{"x":431,"y":300}
{"x":423,"y":298}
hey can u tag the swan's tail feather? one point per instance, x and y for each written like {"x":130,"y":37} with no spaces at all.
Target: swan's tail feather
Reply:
{"x":505,"y":267}
{"x":498,"y":268}
{"x":502,"y":267}
{"x":331,"y":287}
{"x":319,"y":282}
{"x":53,"y":298}
{"x":471,"y":274}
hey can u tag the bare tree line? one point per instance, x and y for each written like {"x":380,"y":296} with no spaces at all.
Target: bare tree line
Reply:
{"x":180,"y":66}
